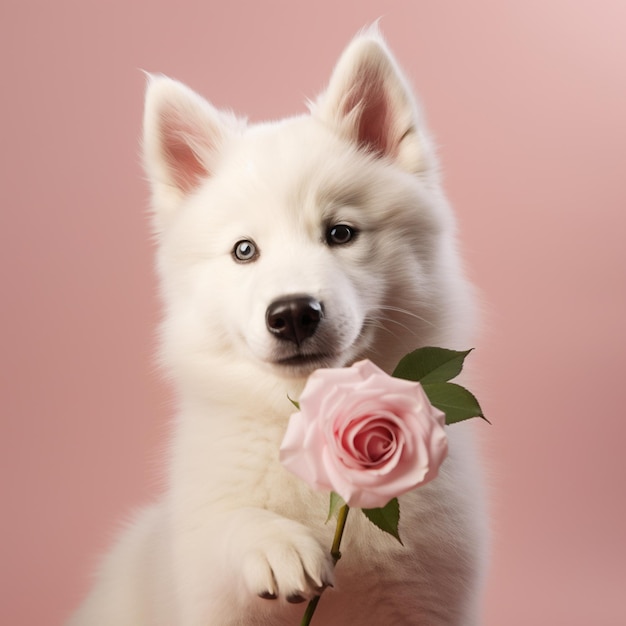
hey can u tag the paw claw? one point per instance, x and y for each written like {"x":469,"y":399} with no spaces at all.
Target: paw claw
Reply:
{"x":268,"y":595}
{"x":295,"y":598}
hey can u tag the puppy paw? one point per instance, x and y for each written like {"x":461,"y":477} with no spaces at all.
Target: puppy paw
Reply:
{"x":287,"y":562}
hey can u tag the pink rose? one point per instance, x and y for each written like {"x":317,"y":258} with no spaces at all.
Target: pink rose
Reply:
{"x":366,"y":435}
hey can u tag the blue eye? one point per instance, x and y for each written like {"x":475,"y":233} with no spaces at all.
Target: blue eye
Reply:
{"x":245,"y":251}
{"x":340,"y":234}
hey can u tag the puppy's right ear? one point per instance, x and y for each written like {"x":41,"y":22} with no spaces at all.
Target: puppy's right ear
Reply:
{"x":182,"y":138}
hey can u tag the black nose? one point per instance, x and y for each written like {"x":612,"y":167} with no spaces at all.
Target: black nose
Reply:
{"x":295,"y":318}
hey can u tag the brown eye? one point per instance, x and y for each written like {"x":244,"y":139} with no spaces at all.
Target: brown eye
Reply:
{"x":340,"y":234}
{"x":245,"y":251}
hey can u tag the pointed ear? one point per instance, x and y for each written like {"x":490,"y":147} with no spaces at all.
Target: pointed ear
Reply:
{"x":182,"y":139}
{"x":369,"y":102}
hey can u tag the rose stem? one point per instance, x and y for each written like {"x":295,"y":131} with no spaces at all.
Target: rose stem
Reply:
{"x":335,"y":554}
{"x":342,"y":516}
{"x":310,"y":609}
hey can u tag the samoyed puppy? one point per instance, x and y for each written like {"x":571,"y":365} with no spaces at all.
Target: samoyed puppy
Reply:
{"x":283,"y":247}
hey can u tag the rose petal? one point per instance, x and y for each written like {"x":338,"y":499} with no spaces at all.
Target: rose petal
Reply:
{"x":374,"y":445}
{"x":357,"y":438}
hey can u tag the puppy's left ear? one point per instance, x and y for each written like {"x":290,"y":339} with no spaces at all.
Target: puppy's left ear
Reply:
{"x":369,"y":102}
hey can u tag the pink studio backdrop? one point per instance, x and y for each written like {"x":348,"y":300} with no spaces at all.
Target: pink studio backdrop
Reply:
{"x":527,"y":101}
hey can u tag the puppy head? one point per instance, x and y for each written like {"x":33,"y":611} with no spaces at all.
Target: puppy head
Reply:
{"x":305,"y":243}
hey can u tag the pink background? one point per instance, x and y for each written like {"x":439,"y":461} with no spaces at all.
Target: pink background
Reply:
{"x":528,"y":103}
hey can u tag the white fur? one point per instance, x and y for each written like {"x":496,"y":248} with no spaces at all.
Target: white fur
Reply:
{"x":233,"y":523}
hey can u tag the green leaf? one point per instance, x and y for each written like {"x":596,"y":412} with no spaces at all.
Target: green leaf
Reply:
{"x":431,"y":365}
{"x":386,"y":518}
{"x":296,"y":404}
{"x":336,"y":502}
{"x":455,"y":401}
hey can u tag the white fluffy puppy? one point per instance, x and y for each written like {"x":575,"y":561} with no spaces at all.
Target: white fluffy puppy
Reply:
{"x":283,"y":247}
